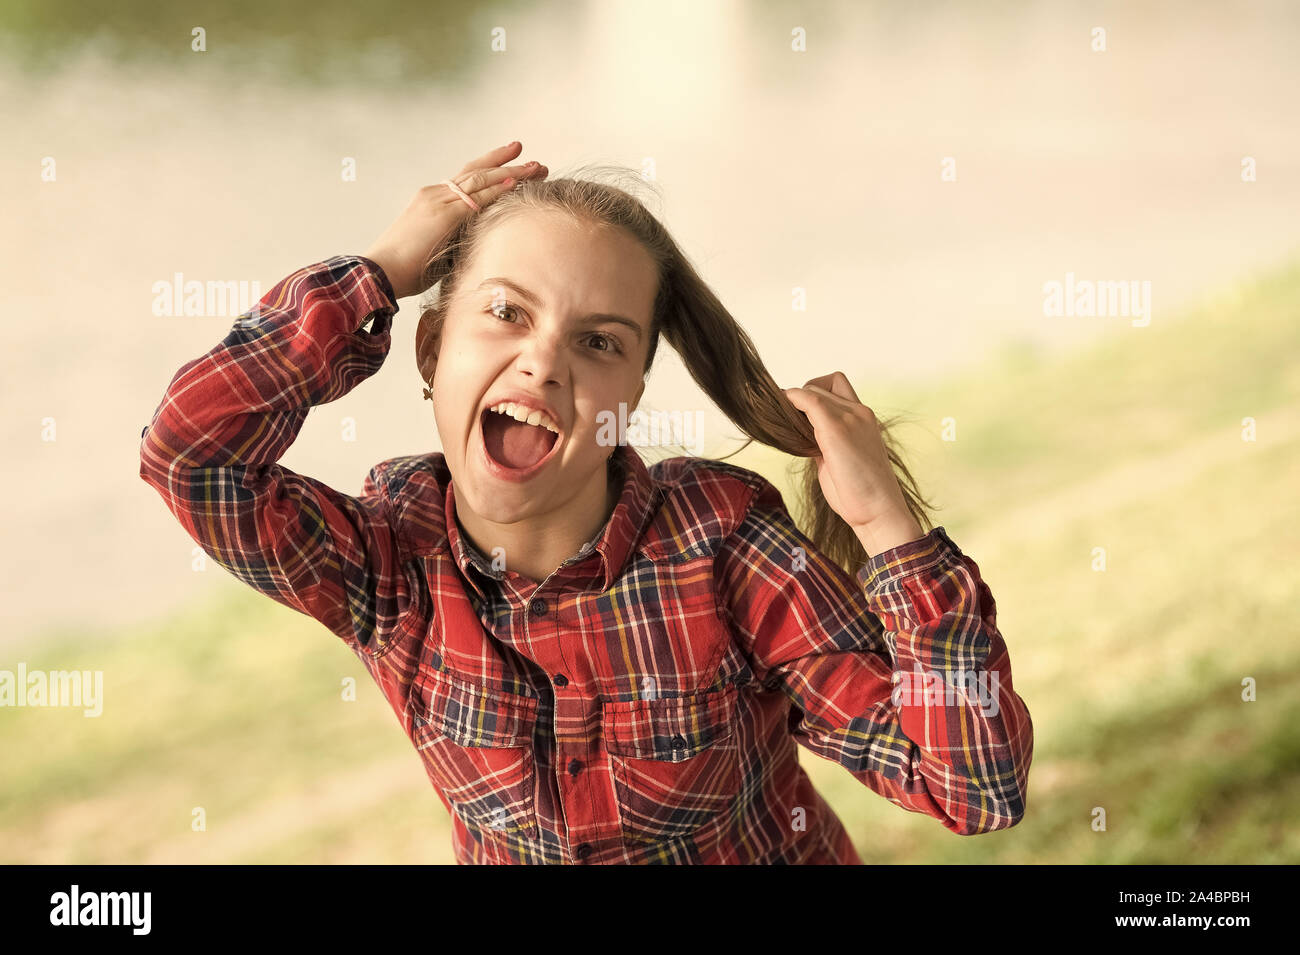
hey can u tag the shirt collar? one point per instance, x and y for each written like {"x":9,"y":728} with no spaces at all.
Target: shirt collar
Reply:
{"x":611,"y":546}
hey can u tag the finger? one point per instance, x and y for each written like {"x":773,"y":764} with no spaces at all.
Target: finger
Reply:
{"x":837,"y":383}
{"x":528,"y":170}
{"x":494,"y":157}
{"x":839,"y":401}
{"x":492,"y":181}
{"x":825,"y":424}
{"x":810,"y":402}
{"x":832,"y":417}
{"x":851,"y":407}
{"x":841,"y":386}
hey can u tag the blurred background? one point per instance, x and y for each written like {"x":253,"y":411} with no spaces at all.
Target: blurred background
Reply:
{"x":915,"y":173}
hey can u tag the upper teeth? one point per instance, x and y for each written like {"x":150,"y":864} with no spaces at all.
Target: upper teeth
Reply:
{"x":520,"y":413}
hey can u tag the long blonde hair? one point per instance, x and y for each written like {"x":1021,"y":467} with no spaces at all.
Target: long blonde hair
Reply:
{"x":711,"y":344}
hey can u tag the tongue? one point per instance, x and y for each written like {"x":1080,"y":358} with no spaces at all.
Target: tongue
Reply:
{"x":513,"y":443}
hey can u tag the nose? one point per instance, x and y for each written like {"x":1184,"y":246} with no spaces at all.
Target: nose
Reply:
{"x":541,"y":359}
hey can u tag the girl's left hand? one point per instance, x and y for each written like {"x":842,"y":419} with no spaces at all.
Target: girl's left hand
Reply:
{"x":853,"y":467}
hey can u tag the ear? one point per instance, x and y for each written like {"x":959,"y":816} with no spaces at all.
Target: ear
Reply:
{"x":427,"y":344}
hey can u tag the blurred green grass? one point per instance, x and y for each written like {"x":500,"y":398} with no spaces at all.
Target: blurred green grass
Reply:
{"x":317,"y":44}
{"x":1132,"y":674}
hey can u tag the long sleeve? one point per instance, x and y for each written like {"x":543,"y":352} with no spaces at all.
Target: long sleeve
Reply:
{"x":903,"y":678}
{"x":227,"y":418}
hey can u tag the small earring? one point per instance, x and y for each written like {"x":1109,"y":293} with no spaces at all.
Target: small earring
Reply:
{"x":428,"y":394}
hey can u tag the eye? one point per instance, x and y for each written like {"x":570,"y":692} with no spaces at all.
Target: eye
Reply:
{"x":611,"y":343}
{"x":496,"y":309}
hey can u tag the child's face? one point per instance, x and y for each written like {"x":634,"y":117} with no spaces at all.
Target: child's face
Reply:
{"x":497,"y":342}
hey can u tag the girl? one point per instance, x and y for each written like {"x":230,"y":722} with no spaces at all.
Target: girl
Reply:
{"x":598,"y":661}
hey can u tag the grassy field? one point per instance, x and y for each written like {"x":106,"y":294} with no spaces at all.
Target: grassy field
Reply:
{"x":1132,"y":674}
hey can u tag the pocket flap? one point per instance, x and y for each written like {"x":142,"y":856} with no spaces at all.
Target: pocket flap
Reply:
{"x":671,"y":730}
{"x":478,"y":716}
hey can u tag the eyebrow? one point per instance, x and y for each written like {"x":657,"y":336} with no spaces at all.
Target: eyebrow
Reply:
{"x":595,"y":317}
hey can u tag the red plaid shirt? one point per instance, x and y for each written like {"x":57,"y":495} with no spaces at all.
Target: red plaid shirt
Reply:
{"x":642,"y":703}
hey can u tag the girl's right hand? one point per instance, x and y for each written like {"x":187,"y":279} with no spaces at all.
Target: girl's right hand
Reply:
{"x":435,"y":212}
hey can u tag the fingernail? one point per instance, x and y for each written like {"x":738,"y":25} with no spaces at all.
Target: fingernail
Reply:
{"x":515,"y":143}
{"x":508,"y":182}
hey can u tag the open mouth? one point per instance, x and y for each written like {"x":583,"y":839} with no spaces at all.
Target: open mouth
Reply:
{"x":514,"y":446}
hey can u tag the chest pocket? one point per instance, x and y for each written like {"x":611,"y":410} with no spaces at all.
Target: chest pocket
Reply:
{"x":477,"y":746}
{"x":676,"y":762}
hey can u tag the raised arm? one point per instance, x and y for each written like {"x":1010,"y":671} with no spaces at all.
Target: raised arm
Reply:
{"x":856,"y":661}
{"x":212,"y":448}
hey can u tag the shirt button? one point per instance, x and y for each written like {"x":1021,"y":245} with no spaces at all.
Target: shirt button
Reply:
{"x":679,"y":742}
{"x":538,"y":606}
{"x":583,"y":851}
{"x":560,"y":679}
{"x":575,"y":767}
